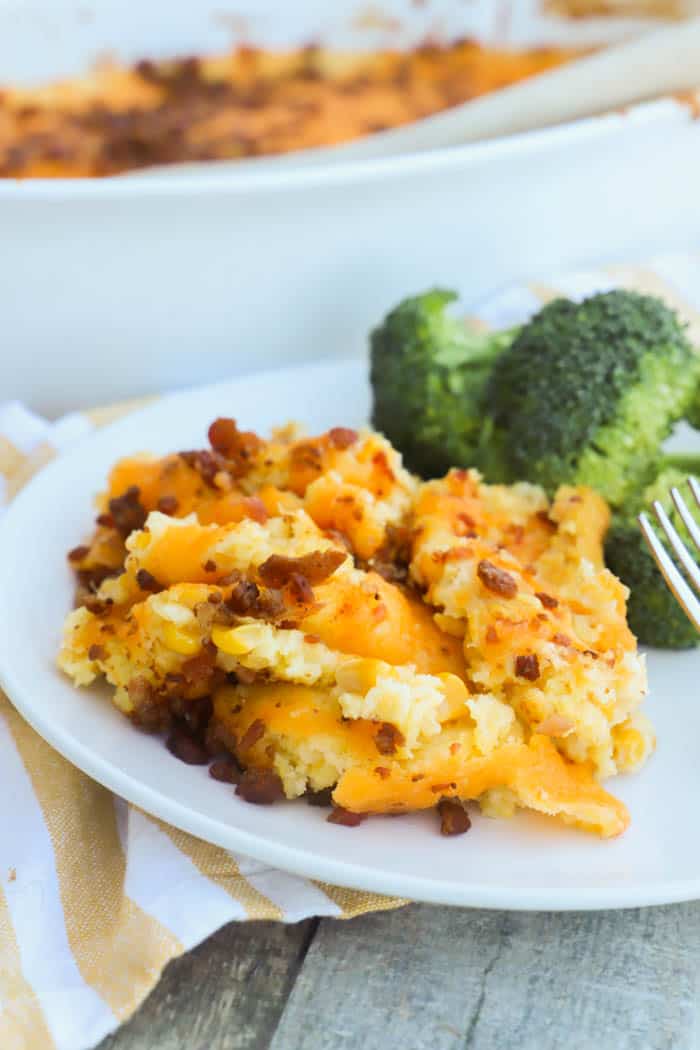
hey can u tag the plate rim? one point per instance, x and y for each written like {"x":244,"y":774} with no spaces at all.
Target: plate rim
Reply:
{"x":303,"y":862}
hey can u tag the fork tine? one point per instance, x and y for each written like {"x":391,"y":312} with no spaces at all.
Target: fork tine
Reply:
{"x":695,"y":489}
{"x":679,"y":547}
{"x":688,"y":519}
{"x":683,"y":594}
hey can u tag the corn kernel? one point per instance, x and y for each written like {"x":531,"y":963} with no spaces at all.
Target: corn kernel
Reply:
{"x":358,"y":674}
{"x":456,"y":695}
{"x":450,"y":625}
{"x":235,"y":640}
{"x":183,"y":642}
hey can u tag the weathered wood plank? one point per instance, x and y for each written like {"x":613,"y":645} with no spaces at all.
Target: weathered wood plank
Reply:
{"x":438,"y":979}
{"x":226,"y":994}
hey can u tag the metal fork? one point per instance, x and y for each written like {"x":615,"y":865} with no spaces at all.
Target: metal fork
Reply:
{"x":683,"y":592}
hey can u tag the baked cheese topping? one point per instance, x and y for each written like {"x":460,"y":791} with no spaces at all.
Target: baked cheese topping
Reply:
{"x":309,"y":608}
{"x":244,"y":104}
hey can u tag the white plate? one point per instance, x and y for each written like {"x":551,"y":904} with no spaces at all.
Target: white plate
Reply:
{"x":528,"y":862}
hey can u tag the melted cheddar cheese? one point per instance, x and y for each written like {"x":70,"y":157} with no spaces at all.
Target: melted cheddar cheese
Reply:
{"x":352,"y":629}
{"x":244,"y":104}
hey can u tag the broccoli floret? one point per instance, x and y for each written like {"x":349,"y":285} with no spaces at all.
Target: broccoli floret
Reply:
{"x":693,"y":413}
{"x":428,"y":373}
{"x":652,"y":611}
{"x":587,"y":392}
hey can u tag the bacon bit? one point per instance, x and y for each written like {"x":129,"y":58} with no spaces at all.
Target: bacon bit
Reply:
{"x":127,"y":512}
{"x":455,"y":746}
{"x":592,"y":653}
{"x":173,"y":683}
{"x":200,"y":668}
{"x":306,"y":457}
{"x":460,"y":473}
{"x":223,"y":435}
{"x":342,"y":437}
{"x":96,"y":652}
{"x":186,"y":748}
{"x":150,"y":713}
{"x":148,"y":582}
{"x":547,"y":600}
{"x":218,"y":738}
{"x":388,"y":738}
{"x":225,"y":770}
{"x":527,"y":666}
{"x":209,"y":565}
{"x":167,"y":505}
{"x":312,"y":639}
{"x":255,"y":509}
{"x":205,"y":463}
{"x":78,"y":553}
{"x":381,"y":462}
{"x":555,"y":725}
{"x":436,"y":788}
{"x":254,"y":732}
{"x":416,"y":777}
{"x":234,"y":444}
{"x":379,"y":612}
{"x":316,"y":567}
{"x":454,"y":819}
{"x":497,"y":580}
{"x":518,"y":532}
{"x":193,"y":714}
{"x":97,"y":606}
{"x":562,"y":639}
{"x":344,"y":817}
{"x":246,"y":599}
{"x":382,"y":772}
{"x":139,"y":689}
{"x":491,"y":634}
{"x":262,"y":787}
{"x":322,"y":798}
{"x":90,"y":579}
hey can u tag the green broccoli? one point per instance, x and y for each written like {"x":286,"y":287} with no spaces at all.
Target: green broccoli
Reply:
{"x":693,"y":415}
{"x":652,"y":611}
{"x":587,"y":392}
{"x":428,"y":374}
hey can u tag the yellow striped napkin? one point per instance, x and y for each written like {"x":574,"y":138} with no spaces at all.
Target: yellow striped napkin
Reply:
{"x":97,"y":896}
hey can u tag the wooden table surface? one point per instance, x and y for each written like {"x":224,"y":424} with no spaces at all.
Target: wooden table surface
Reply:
{"x":434,"y":978}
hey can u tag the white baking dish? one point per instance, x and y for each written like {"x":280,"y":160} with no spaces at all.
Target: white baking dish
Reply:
{"x":120,"y":287}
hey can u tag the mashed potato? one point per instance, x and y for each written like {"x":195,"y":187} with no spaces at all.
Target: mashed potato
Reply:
{"x":345,"y":628}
